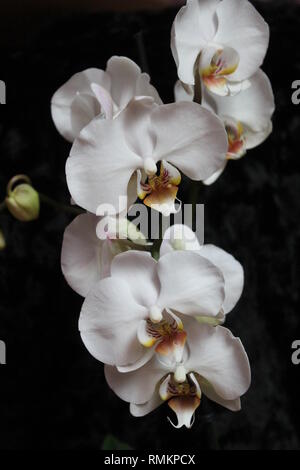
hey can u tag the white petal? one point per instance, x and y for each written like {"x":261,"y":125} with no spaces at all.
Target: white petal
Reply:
{"x":253,"y":107}
{"x":81,"y":254}
{"x":254,"y":138}
{"x":148,"y":354}
{"x":190,"y":284}
{"x":136,"y":387}
{"x":189,"y":137}
{"x":241,"y":27}
{"x":219,"y":357}
{"x":69,"y":116}
{"x":179,"y":237}
{"x":146,"y":408}
{"x":232,"y":271}
{"x":139,"y":270}
{"x":207,"y":389}
{"x":213,"y":178}
{"x":137,"y":131}
{"x":105,"y":100}
{"x":127,"y":81}
{"x":193,"y":27}
{"x":108,"y":323}
{"x":100,"y":165}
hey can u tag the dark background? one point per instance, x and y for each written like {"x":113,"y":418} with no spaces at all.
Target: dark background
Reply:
{"x":52,"y":392}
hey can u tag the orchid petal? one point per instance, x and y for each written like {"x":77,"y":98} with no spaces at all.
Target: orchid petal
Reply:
{"x":241,"y":27}
{"x":253,"y":107}
{"x":139,"y":270}
{"x":189,"y":137}
{"x":137,"y":128}
{"x":218,"y":357}
{"x":108,"y":323}
{"x":100,"y":165}
{"x":69,"y":117}
{"x":146,"y":408}
{"x":254,"y":138}
{"x":194,"y":26}
{"x":232,"y":271}
{"x":136,"y":387}
{"x":81,"y":257}
{"x":148,"y":354}
{"x":208,"y":391}
{"x":190,"y":284}
{"x":105,"y":100}
{"x":213,"y":178}
{"x":127,"y":81}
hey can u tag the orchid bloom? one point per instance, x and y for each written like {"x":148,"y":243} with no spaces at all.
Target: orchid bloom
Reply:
{"x":181,"y":237}
{"x":246,"y":116}
{"x":213,"y":363}
{"x":129,"y":316}
{"x":222,"y":42}
{"x":96,"y":92}
{"x":113,"y":158}
{"x":85,"y":258}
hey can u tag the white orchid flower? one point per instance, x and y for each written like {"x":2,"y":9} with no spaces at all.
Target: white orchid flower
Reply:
{"x":85,"y":258}
{"x":247,"y":116}
{"x":96,"y":92}
{"x":181,"y":237}
{"x":111,"y":159}
{"x":214,"y":363}
{"x":129,"y":316}
{"x":223,"y":42}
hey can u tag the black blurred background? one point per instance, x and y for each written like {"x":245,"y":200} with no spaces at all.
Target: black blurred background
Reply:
{"x":52,"y":392}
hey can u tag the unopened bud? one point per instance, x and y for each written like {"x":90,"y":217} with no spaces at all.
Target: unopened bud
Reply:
{"x":23,"y":201}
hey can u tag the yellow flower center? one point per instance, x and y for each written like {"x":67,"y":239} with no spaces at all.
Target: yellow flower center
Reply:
{"x":236,"y":142}
{"x":160,"y":189}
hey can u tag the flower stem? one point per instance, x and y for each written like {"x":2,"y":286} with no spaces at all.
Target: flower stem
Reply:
{"x":59,"y":206}
{"x":155,"y":249}
{"x":198,"y":84}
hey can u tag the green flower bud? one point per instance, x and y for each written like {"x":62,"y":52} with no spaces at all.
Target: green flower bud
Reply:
{"x":2,"y":241}
{"x":23,"y":202}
